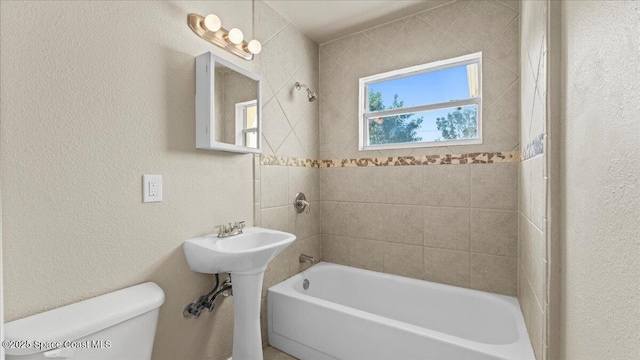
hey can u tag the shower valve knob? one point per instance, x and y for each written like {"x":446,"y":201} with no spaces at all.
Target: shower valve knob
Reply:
{"x":301,"y":204}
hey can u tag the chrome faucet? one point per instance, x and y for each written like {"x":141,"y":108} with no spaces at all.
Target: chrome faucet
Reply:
{"x":231,"y":229}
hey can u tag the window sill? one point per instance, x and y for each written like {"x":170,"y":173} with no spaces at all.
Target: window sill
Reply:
{"x":422,"y":145}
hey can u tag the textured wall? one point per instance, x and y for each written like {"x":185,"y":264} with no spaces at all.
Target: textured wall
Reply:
{"x":93,"y":97}
{"x":1,"y":285}
{"x":601,"y":232}
{"x":455,"y":224}
{"x":290,"y":129}
{"x":532,"y":269}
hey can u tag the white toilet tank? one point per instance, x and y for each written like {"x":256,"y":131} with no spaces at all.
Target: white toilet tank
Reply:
{"x":120,"y":325}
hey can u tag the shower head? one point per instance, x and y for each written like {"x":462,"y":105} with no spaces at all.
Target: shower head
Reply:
{"x":310,"y":94}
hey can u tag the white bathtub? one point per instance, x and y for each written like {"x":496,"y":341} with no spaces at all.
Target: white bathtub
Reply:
{"x":349,"y":313}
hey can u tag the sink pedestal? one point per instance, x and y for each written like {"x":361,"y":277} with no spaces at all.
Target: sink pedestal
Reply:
{"x":245,"y":256}
{"x":247,"y":293}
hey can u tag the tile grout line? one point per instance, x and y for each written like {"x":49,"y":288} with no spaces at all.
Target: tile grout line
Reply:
{"x":469,"y":182}
{"x":416,"y":205}
{"x":504,"y":31}
{"x":424,"y":240}
{"x":415,"y":245}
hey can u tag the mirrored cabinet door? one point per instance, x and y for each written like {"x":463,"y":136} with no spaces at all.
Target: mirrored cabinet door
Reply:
{"x":228,"y":110}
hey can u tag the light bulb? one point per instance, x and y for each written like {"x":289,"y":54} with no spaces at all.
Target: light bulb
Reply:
{"x":254,"y":47}
{"x":235,"y":36}
{"x":212,"y":23}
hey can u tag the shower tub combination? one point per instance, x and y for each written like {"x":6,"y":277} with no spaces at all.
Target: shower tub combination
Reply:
{"x":349,"y":313}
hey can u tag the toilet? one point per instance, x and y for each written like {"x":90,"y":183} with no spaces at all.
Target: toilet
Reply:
{"x":119,"y":325}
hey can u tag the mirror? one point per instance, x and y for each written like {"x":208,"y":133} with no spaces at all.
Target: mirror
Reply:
{"x":236,"y":107}
{"x":228,"y":110}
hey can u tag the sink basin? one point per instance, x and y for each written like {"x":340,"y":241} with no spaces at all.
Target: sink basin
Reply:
{"x":246,"y":253}
{"x":245,"y":256}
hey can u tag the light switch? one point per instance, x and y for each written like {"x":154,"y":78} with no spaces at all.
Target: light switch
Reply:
{"x":151,"y":188}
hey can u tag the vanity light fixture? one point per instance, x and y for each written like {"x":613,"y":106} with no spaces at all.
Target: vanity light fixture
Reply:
{"x":235,"y":36}
{"x":210,"y":29}
{"x":254,"y":47}
{"x":212,"y":23}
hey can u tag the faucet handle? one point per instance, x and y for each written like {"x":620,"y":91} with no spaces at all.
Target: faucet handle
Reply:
{"x":240,"y":224}
{"x":301,"y":204}
{"x":222,"y":230}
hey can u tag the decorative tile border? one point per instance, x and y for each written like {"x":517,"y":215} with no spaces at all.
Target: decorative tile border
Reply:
{"x":449,"y":159}
{"x":288,"y":161}
{"x":455,"y":159}
{"x":381,"y":161}
{"x":534,"y":148}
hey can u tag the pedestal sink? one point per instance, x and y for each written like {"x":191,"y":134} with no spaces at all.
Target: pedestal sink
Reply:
{"x":245,"y":256}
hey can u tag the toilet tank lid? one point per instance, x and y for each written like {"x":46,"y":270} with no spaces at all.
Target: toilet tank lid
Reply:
{"x":83,"y":318}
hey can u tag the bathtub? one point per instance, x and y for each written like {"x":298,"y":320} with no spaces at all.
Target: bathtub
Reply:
{"x":349,"y":313}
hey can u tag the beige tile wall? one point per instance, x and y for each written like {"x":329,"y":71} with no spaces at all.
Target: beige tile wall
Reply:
{"x":276,"y":187}
{"x":290,"y":125}
{"x":407,"y":221}
{"x":290,"y":129}
{"x":532,"y":264}
{"x":277,"y":213}
{"x":454,"y":224}
{"x":453,"y":29}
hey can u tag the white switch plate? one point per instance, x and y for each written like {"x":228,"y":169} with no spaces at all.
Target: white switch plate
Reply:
{"x":151,"y":188}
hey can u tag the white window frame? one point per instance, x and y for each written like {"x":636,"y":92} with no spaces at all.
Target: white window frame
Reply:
{"x":363,"y":104}
{"x":241,"y":122}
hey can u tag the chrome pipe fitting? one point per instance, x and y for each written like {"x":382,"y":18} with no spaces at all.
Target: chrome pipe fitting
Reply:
{"x":307,"y":259}
{"x":204,"y":302}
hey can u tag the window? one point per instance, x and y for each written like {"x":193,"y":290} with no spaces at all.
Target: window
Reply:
{"x":435,"y":104}
{"x":247,"y":124}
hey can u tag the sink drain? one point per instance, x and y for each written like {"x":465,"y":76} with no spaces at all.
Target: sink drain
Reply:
{"x":305,"y":284}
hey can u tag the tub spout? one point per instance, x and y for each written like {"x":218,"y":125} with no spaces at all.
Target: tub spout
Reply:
{"x":307,"y":259}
